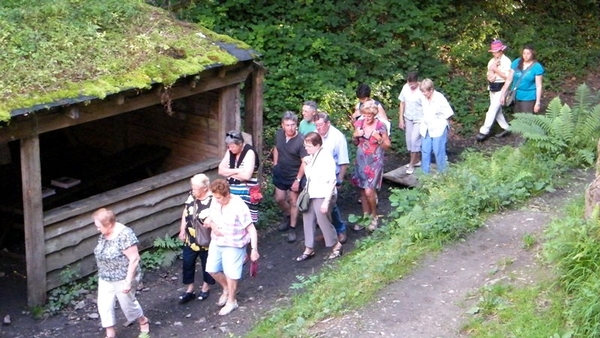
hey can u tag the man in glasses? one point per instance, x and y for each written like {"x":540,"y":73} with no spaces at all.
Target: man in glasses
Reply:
{"x":288,"y":171}
{"x":335,"y":142}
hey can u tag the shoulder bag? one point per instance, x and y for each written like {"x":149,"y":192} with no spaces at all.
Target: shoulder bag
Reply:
{"x":303,"y":200}
{"x":511,"y":95}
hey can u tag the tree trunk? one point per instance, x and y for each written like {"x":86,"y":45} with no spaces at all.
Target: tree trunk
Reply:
{"x":592,"y":194}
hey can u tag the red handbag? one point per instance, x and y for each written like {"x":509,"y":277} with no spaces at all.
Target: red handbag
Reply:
{"x":253,"y":268}
{"x":255,"y":194}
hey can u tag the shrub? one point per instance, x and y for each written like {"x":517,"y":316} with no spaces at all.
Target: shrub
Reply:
{"x":562,"y":130}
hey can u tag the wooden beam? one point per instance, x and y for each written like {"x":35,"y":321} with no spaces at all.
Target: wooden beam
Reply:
{"x":253,"y":98}
{"x":33,"y":217}
{"x":100,"y":109}
{"x":228,"y":112}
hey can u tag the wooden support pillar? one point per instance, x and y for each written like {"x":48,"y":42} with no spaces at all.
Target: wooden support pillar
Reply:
{"x":35,"y":248}
{"x":253,"y":99}
{"x":229,"y":112}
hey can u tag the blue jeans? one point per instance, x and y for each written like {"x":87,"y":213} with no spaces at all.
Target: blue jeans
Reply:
{"x":336,"y":220}
{"x":437,"y":145}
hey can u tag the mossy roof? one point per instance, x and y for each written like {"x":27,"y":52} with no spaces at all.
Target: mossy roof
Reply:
{"x":53,"y":51}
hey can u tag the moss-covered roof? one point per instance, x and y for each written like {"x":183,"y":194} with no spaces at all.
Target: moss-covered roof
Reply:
{"x":60,"y":49}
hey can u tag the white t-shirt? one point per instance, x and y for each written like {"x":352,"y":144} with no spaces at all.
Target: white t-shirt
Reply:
{"x":413,"y":106}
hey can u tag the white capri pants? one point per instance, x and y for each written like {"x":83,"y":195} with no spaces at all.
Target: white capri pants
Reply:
{"x":108,"y":292}
{"x":413,"y":136}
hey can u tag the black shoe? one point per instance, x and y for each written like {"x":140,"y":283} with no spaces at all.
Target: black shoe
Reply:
{"x":481,"y":137}
{"x":186,"y":297}
{"x":291,"y":237}
{"x":285,"y":225}
{"x":502,"y":134}
{"x":203,"y":295}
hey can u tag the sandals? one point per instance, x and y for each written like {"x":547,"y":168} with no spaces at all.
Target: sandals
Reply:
{"x":145,"y":329}
{"x":374,"y":224}
{"x":203,"y":295}
{"x":336,"y":253}
{"x":223,"y":299}
{"x":358,"y":228}
{"x":305,"y":256}
{"x":186,"y":297}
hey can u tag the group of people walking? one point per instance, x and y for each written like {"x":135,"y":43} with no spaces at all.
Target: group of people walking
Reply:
{"x":218,"y":221}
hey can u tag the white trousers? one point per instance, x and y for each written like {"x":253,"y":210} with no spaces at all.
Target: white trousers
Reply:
{"x":108,"y":292}
{"x":494,"y":113}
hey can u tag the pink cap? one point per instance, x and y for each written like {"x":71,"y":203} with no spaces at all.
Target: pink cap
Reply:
{"x":497,"y":46}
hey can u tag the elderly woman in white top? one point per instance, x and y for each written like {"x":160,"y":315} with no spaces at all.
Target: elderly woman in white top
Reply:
{"x":320,"y":174}
{"x":434,"y":127}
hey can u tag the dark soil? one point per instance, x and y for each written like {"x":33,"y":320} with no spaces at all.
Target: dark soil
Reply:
{"x":421,"y":305}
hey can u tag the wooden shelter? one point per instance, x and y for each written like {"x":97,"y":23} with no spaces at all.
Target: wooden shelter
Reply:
{"x":131,"y":146}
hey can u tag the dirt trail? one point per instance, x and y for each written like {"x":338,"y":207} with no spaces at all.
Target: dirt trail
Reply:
{"x":434,"y":299}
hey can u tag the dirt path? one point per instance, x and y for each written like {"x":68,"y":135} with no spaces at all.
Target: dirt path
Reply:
{"x":434,"y":299}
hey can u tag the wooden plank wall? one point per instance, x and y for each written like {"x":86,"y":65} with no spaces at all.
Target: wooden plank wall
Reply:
{"x":152,"y":208}
{"x":191,"y":132}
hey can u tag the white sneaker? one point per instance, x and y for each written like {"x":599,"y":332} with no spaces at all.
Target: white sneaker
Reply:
{"x":418,"y":164}
{"x":228,"y":308}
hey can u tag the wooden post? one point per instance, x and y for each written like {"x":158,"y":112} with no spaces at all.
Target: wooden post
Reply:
{"x":253,"y":99}
{"x":35,"y":248}
{"x":228,"y":112}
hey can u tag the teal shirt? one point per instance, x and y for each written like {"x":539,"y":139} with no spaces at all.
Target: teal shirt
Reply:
{"x":526,"y":90}
{"x":306,"y":127}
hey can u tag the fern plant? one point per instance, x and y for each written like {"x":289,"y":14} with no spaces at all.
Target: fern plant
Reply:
{"x":571,"y":132}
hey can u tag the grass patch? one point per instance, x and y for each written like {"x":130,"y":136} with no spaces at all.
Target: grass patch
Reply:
{"x":505,"y":311}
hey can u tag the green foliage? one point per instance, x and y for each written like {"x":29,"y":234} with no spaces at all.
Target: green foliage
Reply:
{"x":572,"y":133}
{"x":163,"y":254}
{"x":319,"y":50}
{"x":573,"y":248}
{"x":69,"y":293}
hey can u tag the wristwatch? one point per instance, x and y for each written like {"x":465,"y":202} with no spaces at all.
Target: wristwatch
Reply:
{"x":297,"y":179}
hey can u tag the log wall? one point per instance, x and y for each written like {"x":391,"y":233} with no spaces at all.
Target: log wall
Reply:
{"x":152,"y":208}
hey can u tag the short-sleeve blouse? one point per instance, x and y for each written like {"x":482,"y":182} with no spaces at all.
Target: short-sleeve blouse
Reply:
{"x":232,"y":224}
{"x":110,"y":259}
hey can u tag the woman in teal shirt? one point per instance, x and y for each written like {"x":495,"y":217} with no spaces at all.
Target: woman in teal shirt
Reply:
{"x":526,"y":73}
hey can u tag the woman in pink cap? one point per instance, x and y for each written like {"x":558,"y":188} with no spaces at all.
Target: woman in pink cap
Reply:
{"x":498,"y":69}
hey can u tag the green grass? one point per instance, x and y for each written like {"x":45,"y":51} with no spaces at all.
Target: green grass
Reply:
{"x":505,"y":311}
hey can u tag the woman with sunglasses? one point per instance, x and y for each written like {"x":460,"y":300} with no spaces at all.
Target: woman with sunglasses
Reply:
{"x":240,"y":166}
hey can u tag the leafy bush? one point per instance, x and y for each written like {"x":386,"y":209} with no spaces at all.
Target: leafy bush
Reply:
{"x":313,"y":49}
{"x":564,"y":131}
{"x":163,"y":254}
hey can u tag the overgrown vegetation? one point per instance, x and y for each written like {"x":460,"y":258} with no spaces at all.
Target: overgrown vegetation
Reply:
{"x":69,"y":293}
{"x":321,"y":50}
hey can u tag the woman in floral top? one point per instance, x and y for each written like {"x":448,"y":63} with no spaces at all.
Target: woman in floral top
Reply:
{"x":119,"y":272}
